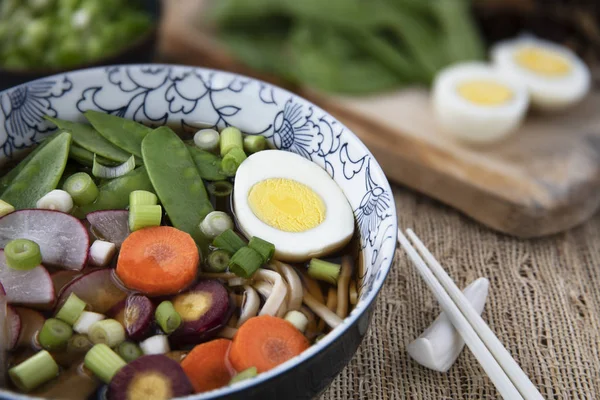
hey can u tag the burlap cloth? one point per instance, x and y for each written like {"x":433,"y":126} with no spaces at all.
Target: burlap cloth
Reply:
{"x":544,"y":306}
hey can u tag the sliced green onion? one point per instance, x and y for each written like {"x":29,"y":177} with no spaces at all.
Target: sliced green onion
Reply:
{"x":82,"y":188}
{"x":245,"y":374}
{"x":79,"y":344}
{"x":207,"y":139}
{"x":54,"y":334}
{"x":231,"y":138}
{"x":5,"y":208}
{"x":107,"y":331}
{"x":166,"y":316}
{"x":215,"y":223}
{"x":232,"y":160}
{"x":34,"y":371}
{"x":71,"y":310}
{"x":142,"y":198}
{"x":228,"y":241}
{"x":324,"y":271}
{"x":56,"y":200}
{"x":157,"y":344}
{"x":262,"y":247}
{"x":220,"y":188}
{"x":245,"y":262}
{"x":129,"y":351}
{"x":297,"y":319}
{"x":86,"y":320}
{"x":218,"y":261}
{"x":144,"y":216}
{"x":22,"y":254}
{"x":102,"y":171}
{"x":103,"y":362}
{"x":254,"y":144}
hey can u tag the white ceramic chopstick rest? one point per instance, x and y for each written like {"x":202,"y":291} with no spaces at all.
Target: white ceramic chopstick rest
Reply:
{"x":440,"y":345}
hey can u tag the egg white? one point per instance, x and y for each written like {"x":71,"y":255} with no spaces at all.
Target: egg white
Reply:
{"x":474,"y":122}
{"x":546,"y":92}
{"x":332,"y":234}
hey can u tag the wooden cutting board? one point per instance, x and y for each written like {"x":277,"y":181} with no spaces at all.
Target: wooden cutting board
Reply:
{"x":542,"y":180}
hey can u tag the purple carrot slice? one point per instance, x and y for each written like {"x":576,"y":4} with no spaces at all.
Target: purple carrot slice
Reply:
{"x":136,"y":314}
{"x":33,"y":288}
{"x":98,"y":289}
{"x":155,"y":374}
{"x":31,"y":324}
{"x":110,"y":225}
{"x":62,"y":238}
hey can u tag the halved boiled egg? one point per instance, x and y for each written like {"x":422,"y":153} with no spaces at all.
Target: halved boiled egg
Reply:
{"x":554,"y":75}
{"x":293,"y":203}
{"x":477,"y":103}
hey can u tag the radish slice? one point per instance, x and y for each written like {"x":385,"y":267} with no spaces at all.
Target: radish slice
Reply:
{"x":33,"y":287}
{"x":14,"y":327}
{"x":31,"y":324}
{"x":3,"y":334}
{"x":62,"y":238}
{"x":97,"y":288}
{"x":110,"y":225}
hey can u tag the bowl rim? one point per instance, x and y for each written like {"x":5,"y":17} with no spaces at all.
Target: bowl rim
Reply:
{"x":361,"y":307}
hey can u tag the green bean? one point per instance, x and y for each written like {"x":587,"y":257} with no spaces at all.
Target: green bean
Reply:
{"x":176,"y":181}
{"x":86,"y":158}
{"x":40,"y":175}
{"x":208,"y":164}
{"x":7,"y":179}
{"x":88,"y":138}
{"x":121,"y":132}
{"x":114,"y":194}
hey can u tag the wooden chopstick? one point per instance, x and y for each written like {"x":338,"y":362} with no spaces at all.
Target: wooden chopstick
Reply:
{"x":489,"y":364}
{"x":508,"y":364}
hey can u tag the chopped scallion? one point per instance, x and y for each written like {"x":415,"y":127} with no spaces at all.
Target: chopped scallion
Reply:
{"x":218,"y":260}
{"x":102,"y":171}
{"x":157,"y":344}
{"x":5,"y":208}
{"x":207,"y":139}
{"x":103,"y":362}
{"x":22,"y":254}
{"x":232,"y":160}
{"x":262,"y":247}
{"x":142,"y":198}
{"x":144,"y":216}
{"x":220,"y":188}
{"x":56,"y":200}
{"x":245,"y":374}
{"x":254,"y":144}
{"x":71,"y":310}
{"x":86,"y":320}
{"x":107,"y":331}
{"x":245,"y":262}
{"x":168,"y":319}
{"x":231,"y":138}
{"x":82,"y":188}
{"x":215,"y":223}
{"x":228,"y":241}
{"x":129,"y":351}
{"x":34,"y":371}
{"x":79,"y":344}
{"x":297,"y":319}
{"x":324,"y":271}
{"x":54,"y":334}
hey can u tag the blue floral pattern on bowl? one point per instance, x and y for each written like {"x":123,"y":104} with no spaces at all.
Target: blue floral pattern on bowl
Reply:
{"x":191,"y":98}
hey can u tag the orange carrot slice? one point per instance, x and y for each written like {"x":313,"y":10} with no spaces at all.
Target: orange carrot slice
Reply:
{"x":265,"y":342}
{"x":158,"y":261}
{"x":206,"y":365}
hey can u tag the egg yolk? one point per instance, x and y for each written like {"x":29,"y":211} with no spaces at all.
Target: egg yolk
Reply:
{"x":286,"y":205}
{"x":485,"y":92}
{"x":542,"y":61}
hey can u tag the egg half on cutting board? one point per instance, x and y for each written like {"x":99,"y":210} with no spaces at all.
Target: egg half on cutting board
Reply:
{"x":553,"y":74}
{"x":293,"y":203}
{"x":478,"y":103}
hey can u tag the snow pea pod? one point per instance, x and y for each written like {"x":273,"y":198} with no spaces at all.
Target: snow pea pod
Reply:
{"x":87,"y":137}
{"x":40,"y":174}
{"x":85,"y":157}
{"x":208,"y":164}
{"x":121,"y":132}
{"x":114,"y":194}
{"x":7,"y":179}
{"x":176,"y":181}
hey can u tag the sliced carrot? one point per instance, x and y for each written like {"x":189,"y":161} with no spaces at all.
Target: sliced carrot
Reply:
{"x":206,"y":365}
{"x":265,"y":342}
{"x":157,"y":261}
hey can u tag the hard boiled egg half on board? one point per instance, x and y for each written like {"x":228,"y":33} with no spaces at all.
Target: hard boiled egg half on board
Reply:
{"x":553,"y":74}
{"x":477,"y":102}
{"x":293,"y":203}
